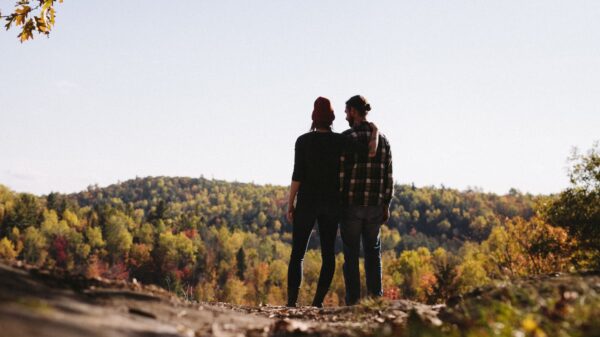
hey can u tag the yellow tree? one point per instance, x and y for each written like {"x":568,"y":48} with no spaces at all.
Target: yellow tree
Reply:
{"x":413,"y":273}
{"x":526,"y":247}
{"x":31,"y":16}
{"x":7,"y":249}
{"x":234,"y":291}
{"x":35,"y":249}
{"x":118,"y":237}
{"x":471,"y":272}
{"x":504,"y":252}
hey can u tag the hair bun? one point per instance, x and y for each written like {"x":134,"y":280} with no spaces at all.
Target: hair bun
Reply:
{"x":368,"y":107}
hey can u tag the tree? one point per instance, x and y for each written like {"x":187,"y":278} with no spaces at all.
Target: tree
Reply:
{"x":390,"y":238}
{"x":175,"y":252}
{"x":118,"y":237}
{"x":234,"y":291}
{"x":241,"y":263}
{"x":140,"y":262}
{"x":413,"y":273}
{"x":261,"y":218}
{"x":258,"y":279}
{"x":26,"y":212}
{"x":504,"y":252}
{"x":159,"y":212}
{"x":527,"y":247}
{"x":471,"y":272}
{"x":32,"y":16}
{"x":7,"y":249}
{"x":94,"y":237}
{"x":34,"y":246}
{"x":577,"y":209}
{"x":444,"y":264}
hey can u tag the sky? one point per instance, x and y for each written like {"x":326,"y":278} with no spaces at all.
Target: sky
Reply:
{"x":485,"y":94}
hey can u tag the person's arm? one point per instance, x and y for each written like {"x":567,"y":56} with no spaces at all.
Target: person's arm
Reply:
{"x":354,"y":145}
{"x":388,"y":185}
{"x":293,"y":192}
{"x":297,"y":178}
{"x":374,"y":141}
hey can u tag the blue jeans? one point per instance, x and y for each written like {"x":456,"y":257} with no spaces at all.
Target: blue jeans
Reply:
{"x":362,"y":222}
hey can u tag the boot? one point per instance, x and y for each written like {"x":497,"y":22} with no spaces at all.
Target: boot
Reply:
{"x":319,"y":297}
{"x":292,"y":297}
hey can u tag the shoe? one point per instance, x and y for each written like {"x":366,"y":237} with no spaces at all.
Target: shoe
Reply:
{"x":292,"y":298}
{"x":319,"y":297}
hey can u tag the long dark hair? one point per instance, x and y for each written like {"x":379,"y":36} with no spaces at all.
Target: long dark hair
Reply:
{"x":317,"y":125}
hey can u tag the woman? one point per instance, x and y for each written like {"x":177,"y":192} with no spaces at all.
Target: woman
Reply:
{"x":315,"y":183}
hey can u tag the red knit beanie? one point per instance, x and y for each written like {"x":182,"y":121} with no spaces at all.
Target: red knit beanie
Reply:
{"x":323,"y":112}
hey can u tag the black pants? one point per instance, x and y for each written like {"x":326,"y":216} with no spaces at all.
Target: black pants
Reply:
{"x":327,"y":218}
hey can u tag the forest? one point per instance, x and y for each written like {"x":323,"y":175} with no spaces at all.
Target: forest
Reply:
{"x":212,"y":240}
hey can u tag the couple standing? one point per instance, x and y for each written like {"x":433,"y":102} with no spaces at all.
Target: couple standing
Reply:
{"x":340,"y":178}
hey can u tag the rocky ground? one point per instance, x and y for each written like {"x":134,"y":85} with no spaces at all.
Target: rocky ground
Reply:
{"x":38,"y":303}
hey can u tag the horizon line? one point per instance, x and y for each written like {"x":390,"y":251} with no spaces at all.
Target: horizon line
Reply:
{"x":477,"y":189}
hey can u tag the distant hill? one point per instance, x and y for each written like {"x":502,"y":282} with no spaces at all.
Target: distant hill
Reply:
{"x":431,"y":215}
{"x":218,"y":240}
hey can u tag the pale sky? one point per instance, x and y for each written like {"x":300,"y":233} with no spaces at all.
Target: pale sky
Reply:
{"x":489,"y":94}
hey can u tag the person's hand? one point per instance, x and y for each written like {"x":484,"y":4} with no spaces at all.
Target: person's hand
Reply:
{"x":386,"y":213}
{"x":374,"y":141}
{"x":373,"y":127}
{"x":373,"y":144}
{"x":290,"y":214}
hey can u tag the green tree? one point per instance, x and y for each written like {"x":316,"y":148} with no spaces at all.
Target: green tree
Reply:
{"x":577,"y":208}
{"x":118,"y":237}
{"x":504,"y":253}
{"x":261,"y":219}
{"x":34,"y":246}
{"x":175,"y":251}
{"x":444,"y":265}
{"x":390,"y":238}
{"x":6,"y":202}
{"x":26,"y":212}
{"x":241,"y":263}
{"x":471,"y":272}
{"x":94,"y":237}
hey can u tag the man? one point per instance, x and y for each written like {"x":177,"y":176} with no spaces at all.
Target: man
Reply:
{"x":366,"y":186}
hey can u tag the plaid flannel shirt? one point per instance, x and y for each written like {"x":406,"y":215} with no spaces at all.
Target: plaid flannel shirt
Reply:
{"x":366,"y":181}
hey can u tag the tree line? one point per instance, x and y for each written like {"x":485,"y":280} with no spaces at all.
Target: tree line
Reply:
{"x":213,"y":240}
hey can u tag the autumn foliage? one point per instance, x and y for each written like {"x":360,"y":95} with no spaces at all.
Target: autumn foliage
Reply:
{"x":32,"y":16}
{"x":212,"y":240}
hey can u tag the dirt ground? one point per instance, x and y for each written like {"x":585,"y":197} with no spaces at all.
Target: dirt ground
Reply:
{"x":36,"y":303}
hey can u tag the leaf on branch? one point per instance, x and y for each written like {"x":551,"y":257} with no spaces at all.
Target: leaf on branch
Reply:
{"x":51,"y":15}
{"x":43,"y":13}
{"x":47,"y":4}
{"x":27,"y":32}
{"x":21,"y":15}
{"x":41,"y":25}
{"x":9,"y":21}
